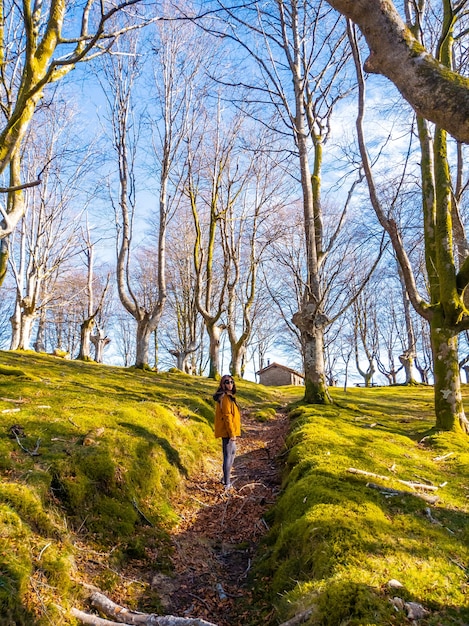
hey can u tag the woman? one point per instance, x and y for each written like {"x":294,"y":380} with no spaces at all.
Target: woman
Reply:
{"x":227,"y":424}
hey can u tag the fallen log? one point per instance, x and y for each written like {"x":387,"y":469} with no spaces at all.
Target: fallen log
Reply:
{"x":121,"y":615}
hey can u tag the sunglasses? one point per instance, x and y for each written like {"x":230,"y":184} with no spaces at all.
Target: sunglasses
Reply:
{"x":228,"y":382}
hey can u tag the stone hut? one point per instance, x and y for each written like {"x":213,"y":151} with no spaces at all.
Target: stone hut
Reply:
{"x":276,"y":375}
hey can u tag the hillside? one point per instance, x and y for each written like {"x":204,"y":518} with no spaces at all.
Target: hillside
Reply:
{"x":110,"y":479}
{"x":95,"y":461}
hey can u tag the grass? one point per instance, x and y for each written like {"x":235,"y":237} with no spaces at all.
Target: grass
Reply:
{"x":336,"y":543}
{"x":92,"y":458}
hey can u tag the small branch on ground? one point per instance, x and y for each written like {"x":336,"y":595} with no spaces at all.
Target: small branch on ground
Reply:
{"x":30,"y":452}
{"x":142,"y":515}
{"x":125,"y":616}
{"x":408,"y":483}
{"x":301,"y":618}
{"x":398,"y":492}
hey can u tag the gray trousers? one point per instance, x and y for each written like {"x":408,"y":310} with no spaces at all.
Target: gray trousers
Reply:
{"x":229,"y":452}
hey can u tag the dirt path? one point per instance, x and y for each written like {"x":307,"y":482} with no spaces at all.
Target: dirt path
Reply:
{"x":218,"y":535}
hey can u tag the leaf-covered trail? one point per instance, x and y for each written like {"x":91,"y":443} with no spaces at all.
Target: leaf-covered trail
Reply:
{"x":219,"y":532}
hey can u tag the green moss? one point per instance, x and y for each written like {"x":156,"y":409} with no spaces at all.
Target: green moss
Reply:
{"x":15,"y":559}
{"x":353,"y":604}
{"x":57,"y":563}
{"x":265,"y":414}
{"x":28,"y":506}
{"x":15,"y":371}
{"x":334,"y":542}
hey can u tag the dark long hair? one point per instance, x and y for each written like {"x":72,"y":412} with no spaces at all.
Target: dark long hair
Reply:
{"x":221,"y":388}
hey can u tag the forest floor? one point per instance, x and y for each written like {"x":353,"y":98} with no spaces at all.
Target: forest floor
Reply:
{"x":219,"y":533}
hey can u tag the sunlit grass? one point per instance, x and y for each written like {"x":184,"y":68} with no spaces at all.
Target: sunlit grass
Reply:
{"x":99,"y":455}
{"x":335,"y":542}
{"x":102,"y":452}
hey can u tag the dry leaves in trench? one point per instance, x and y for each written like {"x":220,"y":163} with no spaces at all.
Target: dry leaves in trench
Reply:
{"x":217,"y":538}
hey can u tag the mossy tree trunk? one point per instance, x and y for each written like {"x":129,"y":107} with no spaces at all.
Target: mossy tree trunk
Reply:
{"x":433,"y":90}
{"x":449,"y":407}
{"x":310,"y":319}
{"x":316,"y":391}
{"x":445,"y":311}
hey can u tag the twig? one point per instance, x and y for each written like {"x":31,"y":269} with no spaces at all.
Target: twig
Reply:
{"x":43,"y":550}
{"x":134,"y":502}
{"x":300,"y":618}
{"x":200,"y":501}
{"x":192,"y":595}
{"x":408,"y":483}
{"x":252,"y":485}
{"x":443,"y":457}
{"x":464,"y":569}
{"x":425,"y":480}
{"x":31,"y":453}
{"x":398,"y":492}
{"x":246,"y":571}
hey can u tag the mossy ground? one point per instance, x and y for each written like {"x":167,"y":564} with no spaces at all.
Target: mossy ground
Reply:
{"x":100,"y":453}
{"x":335,"y":543}
{"x":91,"y":458}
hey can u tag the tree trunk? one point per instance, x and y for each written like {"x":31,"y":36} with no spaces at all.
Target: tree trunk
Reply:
{"x":85,"y":339}
{"x":214,"y":334}
{"x":4,"y":255}
{"x":238,"y":354}
{"x":447,"y":384}
{"x":26,"y":329}
{"x":15,"y":321}
{"x":312,"y":336}
{"x":408,"y":361}
{"x":40,"y":343}
{"x":142,"y":347}
{"x":99,"y":341}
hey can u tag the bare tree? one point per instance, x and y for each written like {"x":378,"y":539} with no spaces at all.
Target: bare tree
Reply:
{"x":121,"y":72}
{"x":301,"y":53}
{"x":444,"y":307}
{"x":48,"y":236}
{"x":39,"y":45}
{"x":212,"y":187}
{"x":365,"y":333}
{"x":99,"y":340}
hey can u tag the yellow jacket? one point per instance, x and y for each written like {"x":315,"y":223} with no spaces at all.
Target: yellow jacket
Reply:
{"x":227,"y":417}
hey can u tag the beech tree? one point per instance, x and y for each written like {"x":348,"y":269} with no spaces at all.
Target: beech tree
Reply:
{"x":248,"y":231}
{"x":40,"y":43}
{"x":300,"y":51}
{"x":48,"y":233}
{"x":182,"y":326}
{"x":444,"y":308}
{"x":435,"y":91}
{"x":93,"y":309}
{"x":213,"y":186}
